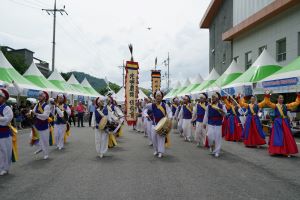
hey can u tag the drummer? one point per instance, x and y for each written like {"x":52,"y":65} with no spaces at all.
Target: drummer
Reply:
{"x":159,"y":111}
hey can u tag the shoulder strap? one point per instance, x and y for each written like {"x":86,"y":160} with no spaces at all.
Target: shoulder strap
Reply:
{"x":251,"y":109}
{"x":280,"y":109}
{"x":161,"y":109}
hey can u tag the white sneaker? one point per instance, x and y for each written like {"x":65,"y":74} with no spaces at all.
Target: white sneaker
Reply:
{"x":38,"y":151}
{"x":210,"y":150}
{"x":60,"y":148}
{"x":150,"y":144}
{"x":217,"y":155}
{"x":185,"y":138}
{"x":160,"y":155}
{"x":3,"y":172}
{"x":100,"y":155}
{"x":189,"y":140}
{"x":155,"y":153}
{"x":46,"y":157}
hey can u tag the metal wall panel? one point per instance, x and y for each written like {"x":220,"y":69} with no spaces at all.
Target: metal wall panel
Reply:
{"x":242,"y":9}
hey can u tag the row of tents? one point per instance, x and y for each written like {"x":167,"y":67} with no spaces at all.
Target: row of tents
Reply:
{"x":264,"y":74}
{"x":34,"y":81}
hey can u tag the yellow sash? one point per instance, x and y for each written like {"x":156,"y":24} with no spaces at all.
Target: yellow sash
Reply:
{"x":175,"y":106}
{"x":161,"y":109}
{"x":251,"y":109}
{"x":279,"y":107}
{"x":233,"y":109}
{"x":215,"y":107}
{"x":40,"y":108}
{"x":203,"y":105}
{"x":189,"y":109}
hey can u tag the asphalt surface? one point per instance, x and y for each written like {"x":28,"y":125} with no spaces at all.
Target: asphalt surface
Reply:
{"x":130,"y":171}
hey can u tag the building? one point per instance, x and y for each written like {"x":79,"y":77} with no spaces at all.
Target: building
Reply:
{"x":242,"y":29}
{"x":29,"y":58}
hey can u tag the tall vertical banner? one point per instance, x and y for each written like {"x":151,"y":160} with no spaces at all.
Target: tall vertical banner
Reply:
{"x":131,"y":91}
{"x":155,"y":80}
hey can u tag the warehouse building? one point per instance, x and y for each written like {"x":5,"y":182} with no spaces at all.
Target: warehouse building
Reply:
{"x":242,"y":29}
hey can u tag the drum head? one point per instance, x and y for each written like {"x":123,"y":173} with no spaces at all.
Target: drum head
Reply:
{"x":161,"y":124}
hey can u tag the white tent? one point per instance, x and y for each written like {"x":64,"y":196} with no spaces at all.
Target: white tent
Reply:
{"x":120,"y":96}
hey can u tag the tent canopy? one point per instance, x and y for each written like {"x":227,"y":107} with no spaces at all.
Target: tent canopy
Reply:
{"x":211,"y":78}
{"x":185,"y":85}
{"x":8,"y":74}
{"x":73,"y":81}
{"x":198,"y":80}
{"x":264,"y":66}
{"x":34,"y":75}
{"x":87,"y":86}
{"x":287,"y":79}
{"x":172,"y":92}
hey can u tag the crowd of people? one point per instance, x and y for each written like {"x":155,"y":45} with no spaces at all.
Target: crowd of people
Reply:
{"x":208,"y":120}
{"x":228,"y":117}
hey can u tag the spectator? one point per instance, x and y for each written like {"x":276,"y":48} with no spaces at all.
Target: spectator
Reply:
{"x":72,"y":115}
{"x":91,"y":111}
{"x":80,"y":110}
{"x":17,"y":116}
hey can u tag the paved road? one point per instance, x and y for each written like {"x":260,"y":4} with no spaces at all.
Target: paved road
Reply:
{"x":130,"y":171}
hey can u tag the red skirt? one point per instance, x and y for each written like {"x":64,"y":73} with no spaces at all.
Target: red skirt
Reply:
{"x":224,"y":126}
{"x":237,"y":133}
{"x":289,"y":145}
{"x":254,"y":138}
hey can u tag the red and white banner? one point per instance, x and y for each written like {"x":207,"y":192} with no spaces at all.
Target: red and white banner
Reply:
{"x":131,"y":91}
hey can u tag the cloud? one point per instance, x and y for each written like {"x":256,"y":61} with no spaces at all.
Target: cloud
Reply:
{"x":94,"y":37}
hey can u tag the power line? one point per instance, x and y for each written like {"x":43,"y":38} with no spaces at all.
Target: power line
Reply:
{"x":24,"y":4}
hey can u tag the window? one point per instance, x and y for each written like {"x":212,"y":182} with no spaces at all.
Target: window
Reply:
{"x":248,"y":60}
{"x":281,"y":50}
{"x":261,"y":49}
{"x":236,"y":59}
{"x":299,"y":44}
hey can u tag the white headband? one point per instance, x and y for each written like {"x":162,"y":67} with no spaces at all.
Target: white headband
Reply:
{"x":202,"y":96}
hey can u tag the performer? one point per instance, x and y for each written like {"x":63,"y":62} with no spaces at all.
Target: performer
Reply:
{"x":233,"y":126}
{"x":179,"y":118}
{"x":139,"y":122}
{"x":159,"y":111}
{"x":282,"y":141}
{"x":148,"y":119}
{"x":120,"y":116}
{"x":186,"y":115}
{"x":253,"y":134}
{"x":61,"y":124}
{"x":6,"y":146}
{"x":101,"y":135}
{"x":213,"y":116}
{"x":198,"y":115}
{"x":174,"y":108}
{"x":51,"y":122}
{"x":40,"y":130}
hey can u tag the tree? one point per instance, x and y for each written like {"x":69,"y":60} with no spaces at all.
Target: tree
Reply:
{"x":16,"y":60}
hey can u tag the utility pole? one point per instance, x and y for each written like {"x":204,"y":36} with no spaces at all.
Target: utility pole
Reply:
{"x":53,"y":11}
{"x":123,"y":73}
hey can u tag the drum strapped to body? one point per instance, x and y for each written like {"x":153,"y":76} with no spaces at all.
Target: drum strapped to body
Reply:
{"x":162,"y":127}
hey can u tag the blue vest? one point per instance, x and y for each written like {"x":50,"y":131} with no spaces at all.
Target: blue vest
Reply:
{"x":186,"y":113}
{"x":61,"y":120}
{"x":284,"y":110}
{"x":41,"y":125}
{"x":150,"y":114}
{"x":5,"y":132}
{"x":200,"y":113}
{"x":230,"y":111}
{"x":214,"y":117}
{"x":255,"y":109}
{"x":98,"y":118}
{"x":173,"y":109}
{"x":157,"y":113}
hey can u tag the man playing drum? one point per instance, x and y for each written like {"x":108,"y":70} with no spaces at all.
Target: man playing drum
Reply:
{"x":159,"y":110}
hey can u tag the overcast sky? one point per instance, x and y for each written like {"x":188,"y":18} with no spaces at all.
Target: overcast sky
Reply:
{"x":94,"y":37}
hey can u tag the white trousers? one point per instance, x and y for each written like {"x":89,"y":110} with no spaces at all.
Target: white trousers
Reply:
{"x":149,"y":130}
{"x":5,"y":153}
{"x":187,"y":128}
{"x":200,"y":133}
{"x":158,"y":142}
{"x":139,"y":124}
{"x":44,"y":141}
{"x":59,"y":132}
{"x":101,"y":141}
{"x":179,"y":127}
{"x":214,"y":134}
